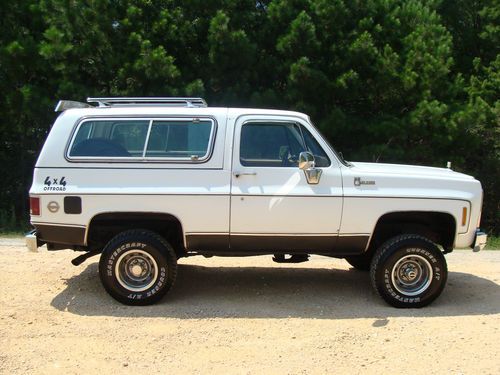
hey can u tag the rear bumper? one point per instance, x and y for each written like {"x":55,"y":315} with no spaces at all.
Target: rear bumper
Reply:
{"x":479,"y":241}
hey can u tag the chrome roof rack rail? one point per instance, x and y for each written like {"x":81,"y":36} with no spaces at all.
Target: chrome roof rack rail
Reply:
{"x":153,"y":101}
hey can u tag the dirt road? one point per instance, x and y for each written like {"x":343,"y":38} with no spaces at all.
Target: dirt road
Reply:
{"x":244,"y":316}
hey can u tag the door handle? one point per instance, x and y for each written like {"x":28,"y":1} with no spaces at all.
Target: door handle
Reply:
{"x":239,"y":173}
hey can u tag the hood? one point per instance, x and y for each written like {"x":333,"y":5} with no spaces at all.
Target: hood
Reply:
{"x":408,"y":170}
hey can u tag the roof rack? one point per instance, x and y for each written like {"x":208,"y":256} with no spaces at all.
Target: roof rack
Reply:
{"x":153,"y":101}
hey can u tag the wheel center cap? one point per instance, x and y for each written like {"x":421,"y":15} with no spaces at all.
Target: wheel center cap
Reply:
{"x":411,"y":274}
{"x":136,"y":270}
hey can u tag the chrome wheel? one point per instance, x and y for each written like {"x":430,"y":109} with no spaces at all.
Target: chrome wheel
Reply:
{"x":136,"y":270}
{"x":412,"y":275}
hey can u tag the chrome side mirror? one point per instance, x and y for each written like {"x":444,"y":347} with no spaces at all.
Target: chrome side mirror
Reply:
{"x":306,"y":160}
{"x":307,"y":164}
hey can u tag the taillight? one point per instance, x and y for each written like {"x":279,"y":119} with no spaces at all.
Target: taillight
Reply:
{"x":35,"y":206}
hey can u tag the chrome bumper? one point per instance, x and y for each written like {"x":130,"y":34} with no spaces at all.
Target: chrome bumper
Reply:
{"x":32,"y":241}
{"x":479,"y":241}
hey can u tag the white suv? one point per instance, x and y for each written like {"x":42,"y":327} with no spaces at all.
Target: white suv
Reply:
{"x":145,"y":181}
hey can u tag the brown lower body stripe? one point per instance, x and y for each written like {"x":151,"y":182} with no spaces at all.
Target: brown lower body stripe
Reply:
{"x":279,"y":243}
{"x":235,"y":244}
{"x":60,"y":234}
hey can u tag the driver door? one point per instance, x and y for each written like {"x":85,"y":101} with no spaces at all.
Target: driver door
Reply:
{"x":273,"y":207}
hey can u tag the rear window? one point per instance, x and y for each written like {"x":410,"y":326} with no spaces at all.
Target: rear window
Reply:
{"x":183,"y":139}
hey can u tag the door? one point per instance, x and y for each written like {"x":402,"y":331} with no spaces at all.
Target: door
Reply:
{"x":273,"y":207}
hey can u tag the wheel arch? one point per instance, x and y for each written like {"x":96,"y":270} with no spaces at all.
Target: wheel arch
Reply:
{"x":438,"y":226}
{"x":105,"y":225}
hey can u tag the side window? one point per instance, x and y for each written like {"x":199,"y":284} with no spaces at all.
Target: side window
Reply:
{"x":179,"y":139}
{"x":278,"y":145}
{"x":270,"y":144}
{"x":187,"y":139}
{"x":131,"y":135}
{"x":312,"y":145}
{"x":110,"y":139}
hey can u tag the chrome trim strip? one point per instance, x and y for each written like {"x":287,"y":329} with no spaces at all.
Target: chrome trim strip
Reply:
{"x":57,"y":224}
{"x":146,"y":141}
{"x":207,"y":233}
{"x":333,"y":234}
{"x":280,"y":234}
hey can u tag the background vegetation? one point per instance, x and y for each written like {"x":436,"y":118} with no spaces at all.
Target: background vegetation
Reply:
{"x":413,"y":81}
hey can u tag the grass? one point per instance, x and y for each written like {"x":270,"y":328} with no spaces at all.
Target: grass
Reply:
{"x":12,"y":234}
{"x":493,"y":243}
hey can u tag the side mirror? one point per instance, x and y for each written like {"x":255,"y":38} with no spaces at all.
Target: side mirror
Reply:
{"x":306,"y":160}
{"x":307,"y":164}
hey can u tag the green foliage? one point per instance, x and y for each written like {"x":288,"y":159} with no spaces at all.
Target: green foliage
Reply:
{"x":493,"y":243}
{"x":413,"y":81}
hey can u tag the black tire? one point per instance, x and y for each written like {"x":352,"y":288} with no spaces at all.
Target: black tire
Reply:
{"x":137,"y":267}
{"x":360,"y":262}
{"x":409,"y":271}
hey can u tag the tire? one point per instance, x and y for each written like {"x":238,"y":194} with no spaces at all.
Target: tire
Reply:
{"x":360,"y":262}
{"x":408,"y":271}
{"x":138,"y":267}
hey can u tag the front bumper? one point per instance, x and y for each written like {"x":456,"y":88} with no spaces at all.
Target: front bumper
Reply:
{"x":479,"y":241}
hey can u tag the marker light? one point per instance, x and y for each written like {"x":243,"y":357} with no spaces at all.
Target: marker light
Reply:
{"x":464,"y":216}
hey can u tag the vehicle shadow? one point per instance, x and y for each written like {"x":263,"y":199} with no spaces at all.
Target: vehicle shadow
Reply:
{"x":267,"y":292}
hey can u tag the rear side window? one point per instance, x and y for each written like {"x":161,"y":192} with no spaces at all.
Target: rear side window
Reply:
{"x":183,"y":139}
{"x":110,"y":139}
{"x":179,"y":139}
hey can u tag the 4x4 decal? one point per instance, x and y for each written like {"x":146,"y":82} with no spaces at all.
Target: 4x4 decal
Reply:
{"x":54,"y":184}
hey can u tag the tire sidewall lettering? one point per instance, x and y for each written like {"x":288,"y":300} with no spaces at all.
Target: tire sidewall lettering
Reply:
{"x":392,"y":260}
{"x":115,"y":255}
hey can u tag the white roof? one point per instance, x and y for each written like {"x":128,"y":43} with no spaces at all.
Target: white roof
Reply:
{"x":148,"y":111}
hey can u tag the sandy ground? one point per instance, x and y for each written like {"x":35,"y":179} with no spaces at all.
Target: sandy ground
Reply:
{"x":244,"y":316}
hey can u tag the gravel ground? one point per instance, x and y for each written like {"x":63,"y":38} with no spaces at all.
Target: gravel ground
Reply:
{"x":244,"y":316}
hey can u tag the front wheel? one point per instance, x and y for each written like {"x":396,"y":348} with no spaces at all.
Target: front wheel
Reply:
{"x":409,"y":271}
{"x":137,"y":267}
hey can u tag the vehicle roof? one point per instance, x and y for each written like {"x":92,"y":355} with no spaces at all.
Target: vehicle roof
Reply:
{"x":169,"y":110}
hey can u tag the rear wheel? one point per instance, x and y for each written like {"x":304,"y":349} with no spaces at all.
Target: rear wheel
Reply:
{"x":409,"y":271}
{"x":137,"y":267}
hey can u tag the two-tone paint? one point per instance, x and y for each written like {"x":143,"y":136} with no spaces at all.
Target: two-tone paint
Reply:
{"x":227,"y":208}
